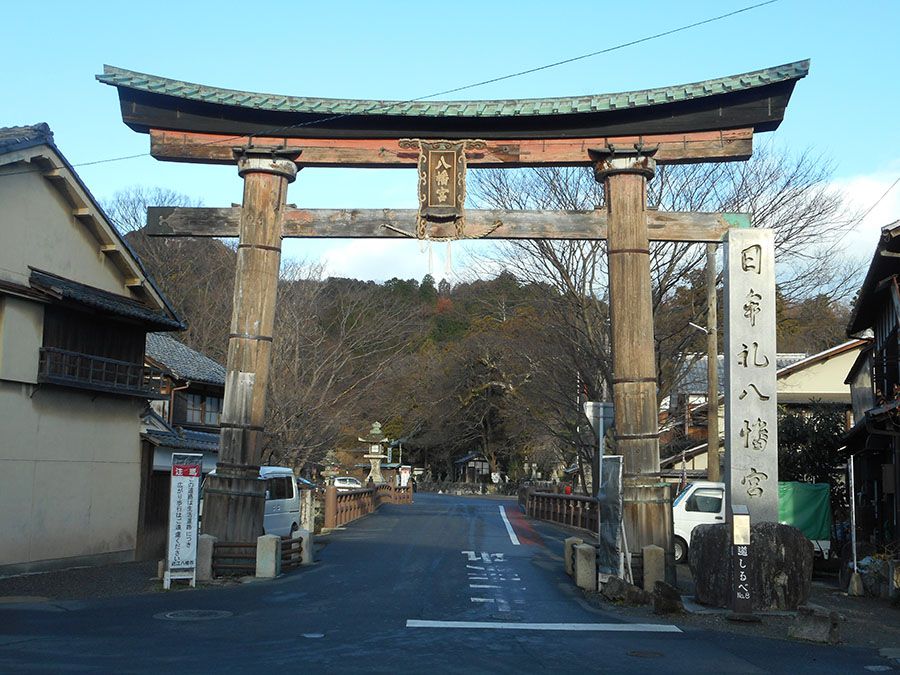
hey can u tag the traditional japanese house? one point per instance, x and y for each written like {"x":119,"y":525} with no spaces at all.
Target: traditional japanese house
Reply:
{"x":874,"y":379}
{"x":186,"y":419}
{"x":75,"y":306}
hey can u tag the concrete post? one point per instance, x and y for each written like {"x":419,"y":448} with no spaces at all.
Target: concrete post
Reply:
{"x":205,"y":544}
{"x":654,"y":566}
{"x":308,"y":510}
{"x":268,"y":556}
{"x":235,"y":497}
{"x":307,"y":546}
{"x":586,"y":567}
{"x":569,"y":554}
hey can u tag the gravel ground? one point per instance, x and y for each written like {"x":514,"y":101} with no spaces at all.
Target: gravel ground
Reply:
{"x":82,"y":583}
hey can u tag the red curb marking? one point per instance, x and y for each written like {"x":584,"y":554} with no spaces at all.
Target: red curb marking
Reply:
{"x":523,"y":529}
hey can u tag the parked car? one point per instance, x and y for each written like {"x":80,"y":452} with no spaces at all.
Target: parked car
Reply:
{"x":282,"y":513}
{"x":347,"y":483}
{"x":699,"y":503}
{"x":803,"y":505}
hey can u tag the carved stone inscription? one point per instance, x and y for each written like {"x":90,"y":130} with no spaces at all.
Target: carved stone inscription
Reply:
{"x":751,"y":424}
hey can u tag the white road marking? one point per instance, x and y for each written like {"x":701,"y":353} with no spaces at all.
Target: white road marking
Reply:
{"x":475,"y":567}
{"x":482,"y":586}
{"x":502,"y":625}
{"x":512,"y":535}
{"x":482,"y":599}
{"x":471,"y":554}
{"x":477,"y":578}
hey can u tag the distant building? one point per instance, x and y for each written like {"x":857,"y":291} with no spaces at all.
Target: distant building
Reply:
{"x":75,"y":306}
{"x":801,"y":380}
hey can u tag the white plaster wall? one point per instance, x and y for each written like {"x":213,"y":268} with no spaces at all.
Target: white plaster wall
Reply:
{"x":69,"y":473}
{"x":37,"y":228}
{"x":823,"y":381}
{"x":21,"y":335}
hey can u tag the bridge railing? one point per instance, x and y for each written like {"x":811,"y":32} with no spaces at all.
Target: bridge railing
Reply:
{"x":345,"y":507}
{"x":571,"y":510}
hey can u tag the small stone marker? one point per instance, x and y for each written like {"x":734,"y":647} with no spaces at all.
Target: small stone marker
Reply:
{"x":654,"y":566}
{"x":586,"y":567}
{"x":569,"y":553}
{"x":205,"y":544}
{"x":268,"y":556}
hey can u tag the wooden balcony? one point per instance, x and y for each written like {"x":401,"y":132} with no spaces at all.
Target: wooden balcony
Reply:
{"x":95,"y":373}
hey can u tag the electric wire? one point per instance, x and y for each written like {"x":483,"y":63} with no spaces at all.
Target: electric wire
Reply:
{"x":509,"y":76}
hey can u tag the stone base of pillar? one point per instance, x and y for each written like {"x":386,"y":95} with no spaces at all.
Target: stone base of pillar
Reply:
{"x":647,"y":516}
{"x":234,"y":500}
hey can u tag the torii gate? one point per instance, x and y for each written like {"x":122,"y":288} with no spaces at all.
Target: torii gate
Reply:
{"x":623,"y":136}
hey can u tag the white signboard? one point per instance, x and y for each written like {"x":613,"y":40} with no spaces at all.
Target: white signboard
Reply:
{"x":751,"y":415}
{"x":181,"y":557}
{"x":405,"y":472}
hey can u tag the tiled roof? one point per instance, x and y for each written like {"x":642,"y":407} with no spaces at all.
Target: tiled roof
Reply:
{"x":184,"y":362}
{"x":101,"y":300}
{"x":184,"y":439}
{"x":17,"y":138}
{"x":189,"y":91}
{"x":694,"y":380}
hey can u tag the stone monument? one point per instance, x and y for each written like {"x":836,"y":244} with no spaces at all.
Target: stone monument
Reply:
{"x":375,"y":455}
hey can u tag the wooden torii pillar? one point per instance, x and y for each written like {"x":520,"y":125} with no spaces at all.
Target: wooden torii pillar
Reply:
{"x":234,"y":498}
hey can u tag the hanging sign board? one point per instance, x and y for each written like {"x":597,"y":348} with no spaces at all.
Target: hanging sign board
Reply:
{"x":181,"y":552}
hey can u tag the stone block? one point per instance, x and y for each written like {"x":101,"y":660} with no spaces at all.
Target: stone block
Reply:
{"x":586,"y":567}
{"x":307,"y":546}
{"x":268,"y":556}
{"x":816,"y":624}
{"x":569,"y":554}
{"x":666,"y":599}
{"x":654,"y":558}
{"x":781,"y":562}
{"x":620,"y":591}
{"x":204,"y":557}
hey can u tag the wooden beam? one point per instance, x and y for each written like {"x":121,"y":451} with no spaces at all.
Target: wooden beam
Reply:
{"x":488,"y":224}
{"x":705,"y":146}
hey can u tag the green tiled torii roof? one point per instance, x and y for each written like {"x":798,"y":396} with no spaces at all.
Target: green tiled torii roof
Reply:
{"x":187,"y":91}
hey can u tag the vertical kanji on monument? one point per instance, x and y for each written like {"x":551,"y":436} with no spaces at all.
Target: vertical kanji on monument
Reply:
{"x":234,"y":497}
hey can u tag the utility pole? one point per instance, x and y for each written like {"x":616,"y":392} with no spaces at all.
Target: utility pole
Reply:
{"x":712,"y":368}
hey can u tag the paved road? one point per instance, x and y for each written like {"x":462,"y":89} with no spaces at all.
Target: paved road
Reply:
{"x":439,"y":586}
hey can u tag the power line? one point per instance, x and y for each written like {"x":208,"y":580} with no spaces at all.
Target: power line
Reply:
{"x":856,"y":221}
{"x":473,"y":85}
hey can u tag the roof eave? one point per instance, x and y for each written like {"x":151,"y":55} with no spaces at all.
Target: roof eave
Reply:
{"x":741,"y":101}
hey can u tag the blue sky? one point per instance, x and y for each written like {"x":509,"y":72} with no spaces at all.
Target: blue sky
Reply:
{"x":846,"y":109}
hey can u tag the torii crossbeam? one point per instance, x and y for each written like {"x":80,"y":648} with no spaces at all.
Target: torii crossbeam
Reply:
{"x":622,"y":136}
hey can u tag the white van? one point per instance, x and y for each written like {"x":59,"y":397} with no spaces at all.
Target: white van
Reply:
{"x":699,"y":503}
{"x":282,"y":515}
{"x":704,"y":502}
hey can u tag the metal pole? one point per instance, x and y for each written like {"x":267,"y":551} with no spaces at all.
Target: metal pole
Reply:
{"x":853,"y":514}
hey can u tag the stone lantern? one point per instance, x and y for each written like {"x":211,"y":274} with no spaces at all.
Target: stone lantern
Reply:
{"x":375,"y":455}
